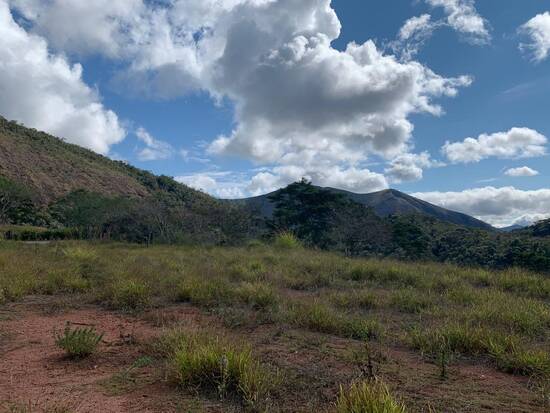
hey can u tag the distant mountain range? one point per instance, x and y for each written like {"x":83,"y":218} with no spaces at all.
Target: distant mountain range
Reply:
{"x":384,"y":203}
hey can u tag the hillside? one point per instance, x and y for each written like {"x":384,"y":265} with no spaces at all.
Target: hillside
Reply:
{"x":47,"y":182}
{"x":384,"y":203}
{"x":52,"y":168}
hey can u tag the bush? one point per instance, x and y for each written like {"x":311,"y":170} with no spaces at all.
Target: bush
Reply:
{"x":367,"y":397}
{"x":215,"y":365}
{"x":130,"y":295}
{"x":78,"y":343}
{"x":287,"y":240}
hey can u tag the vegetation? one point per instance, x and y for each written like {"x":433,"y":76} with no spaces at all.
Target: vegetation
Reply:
{"x":78,"y":342}
{"x":213,"y":364}
{"x":367,"y":397}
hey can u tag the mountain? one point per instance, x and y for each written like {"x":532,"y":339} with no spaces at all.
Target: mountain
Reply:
{"x":512,"y":228}
{"x":384,"y":203}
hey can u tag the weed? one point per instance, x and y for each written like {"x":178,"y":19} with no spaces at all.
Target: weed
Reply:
{"x":78,"y":342}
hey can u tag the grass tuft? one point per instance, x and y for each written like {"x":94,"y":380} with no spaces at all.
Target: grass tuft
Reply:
{"x":214,"y":365}
{"x":287,"y":240}
{"x":367,"y":397}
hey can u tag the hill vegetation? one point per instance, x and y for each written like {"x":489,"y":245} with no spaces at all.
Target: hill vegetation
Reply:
{"x":53,"y":190}
{"x":46,"y":182}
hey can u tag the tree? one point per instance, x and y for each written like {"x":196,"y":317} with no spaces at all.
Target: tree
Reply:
{"x":309,"y":212}
{"x":17,"y":205}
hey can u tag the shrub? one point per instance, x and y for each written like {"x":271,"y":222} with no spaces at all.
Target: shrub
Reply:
{"x":215,"y":365}
{"x":287,"y":240}
{"x":78,"y":343}
{"x":367,"y":397}
{"x":130,"y":295}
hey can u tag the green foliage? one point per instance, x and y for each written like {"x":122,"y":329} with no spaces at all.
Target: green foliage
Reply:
{"x":367,"y":397}
{"x":306,"y":211}
{"x":78,"y":342}
{"x":17,"y":205}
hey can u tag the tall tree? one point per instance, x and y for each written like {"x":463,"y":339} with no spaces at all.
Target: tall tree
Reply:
{"x":309,"y":212}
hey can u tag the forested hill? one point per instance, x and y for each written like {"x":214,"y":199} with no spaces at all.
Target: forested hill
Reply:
{"x":47,"y":182}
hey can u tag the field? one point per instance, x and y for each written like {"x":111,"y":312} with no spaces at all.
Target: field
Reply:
{"x":271,"y":328}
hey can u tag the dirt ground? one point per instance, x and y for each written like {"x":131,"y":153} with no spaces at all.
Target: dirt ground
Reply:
{"x":36,"y":377}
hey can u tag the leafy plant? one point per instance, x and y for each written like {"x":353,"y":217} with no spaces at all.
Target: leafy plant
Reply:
{"x":79,"y":342}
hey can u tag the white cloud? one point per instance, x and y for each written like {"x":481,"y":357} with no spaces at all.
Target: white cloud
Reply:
{"x":538,"y":29}
{"x":295,"y":96}
{"x":516,"y":143}
{"x":410,"y":167}
{"x":498,"y":206}
{"x":414,"y":33}
{"x":45,"y":91}
{"x":155,"y":149}
{"x":463,"y":17}
{"x":521,"y":171}
{"x":225,"y":185}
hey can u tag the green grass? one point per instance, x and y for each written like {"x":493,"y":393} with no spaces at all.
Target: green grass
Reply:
{"x":501,"y":317}
{"x":129,"y":295}
{"x":214,"y":365}
{"x":321,"y":318}
{"x":367,"y":397}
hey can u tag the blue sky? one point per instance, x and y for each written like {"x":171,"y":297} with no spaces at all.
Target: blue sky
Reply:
{"x":239,"y":97}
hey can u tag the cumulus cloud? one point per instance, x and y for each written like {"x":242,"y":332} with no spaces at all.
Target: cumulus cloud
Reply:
{"x":463,"y":17}
{"x":45,"y":91}
{"x":295,"y":96}
{"x":155,"y":149}
{"x":516,"y":143}
{"x":521,"y":171}
{"x":538,"y":31}
{"x":410,"y":167}
{"x":498,"y":206}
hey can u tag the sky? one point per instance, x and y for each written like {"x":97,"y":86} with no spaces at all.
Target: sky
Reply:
{"x":447,"y":100}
